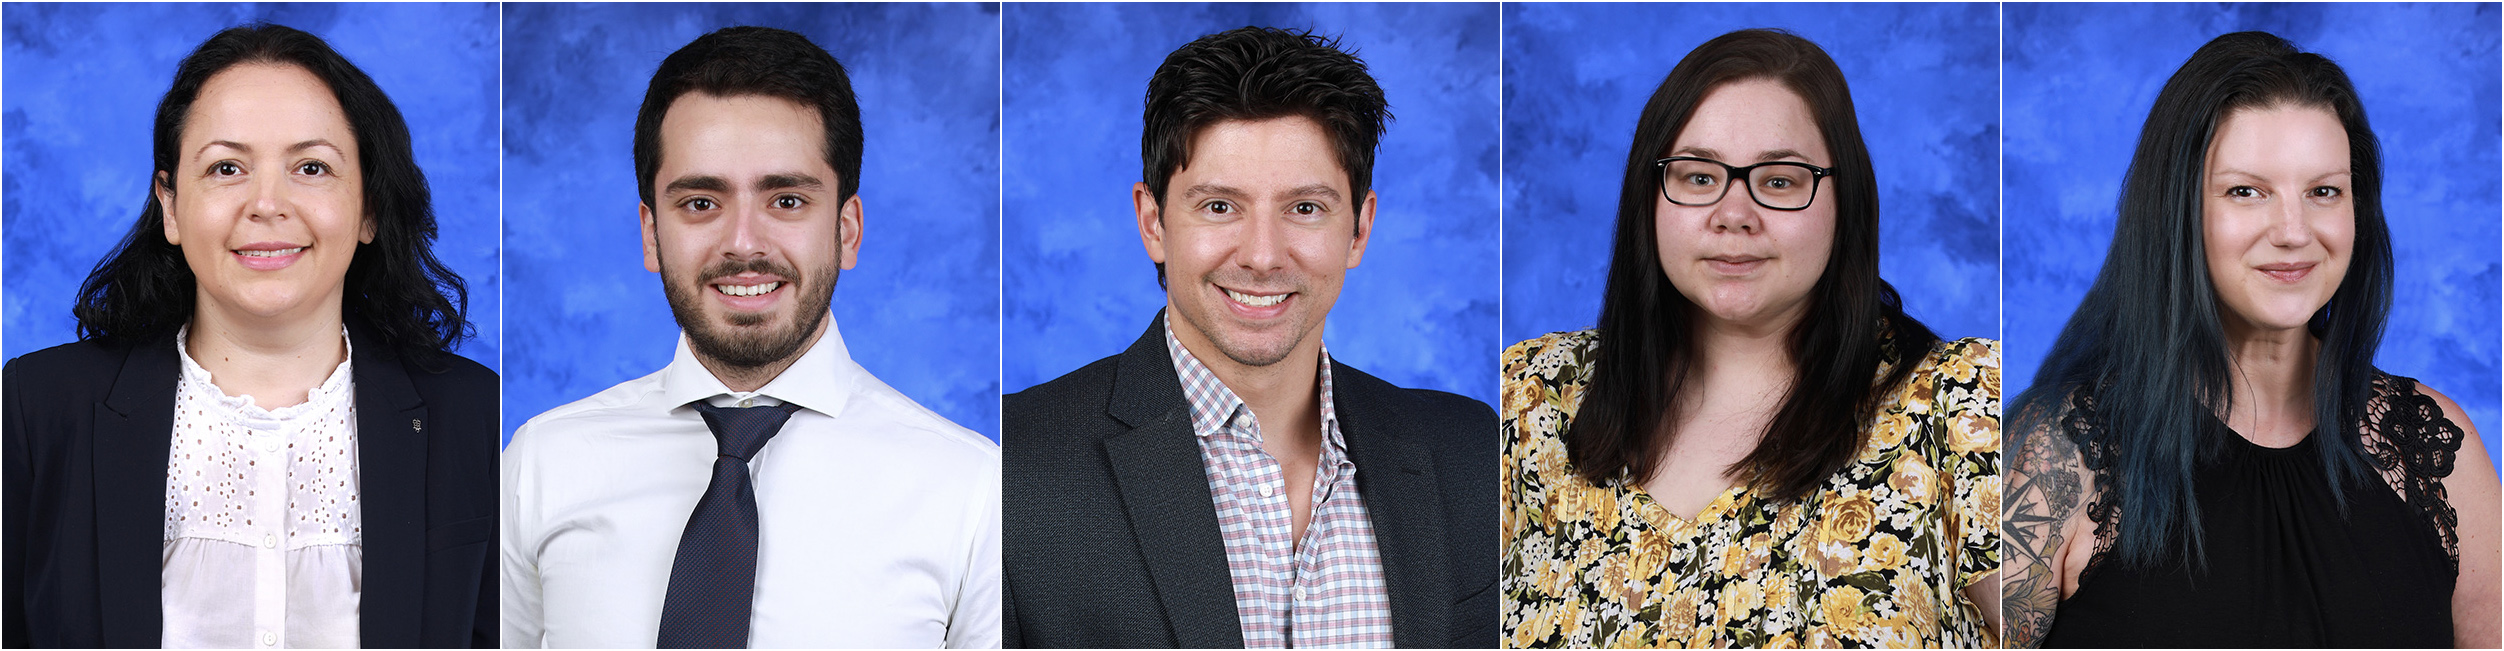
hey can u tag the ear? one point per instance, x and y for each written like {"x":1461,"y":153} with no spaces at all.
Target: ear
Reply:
{"x":651,"y":238}
{"x":1364,"y":230}
{"x":365,"y":234}
{"x":1151,"y":221}
{"x":848,"y":223}
{"x":163,"y":186}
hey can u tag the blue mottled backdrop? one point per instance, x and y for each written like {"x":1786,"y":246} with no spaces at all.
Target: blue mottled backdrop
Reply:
{"x":2081,"y":78}
{"x":82,"y":83}
{"x":1420,"y":312}
{"x":1924,"y":81}
{"x":921,"y":311}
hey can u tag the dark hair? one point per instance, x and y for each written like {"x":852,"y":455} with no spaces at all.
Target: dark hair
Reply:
{"x":1258,"y":73}
{"x":764,"y":61}
{"x":144,"y":290}
{"x":2146,"y":345}
{"x":1645,"y":339}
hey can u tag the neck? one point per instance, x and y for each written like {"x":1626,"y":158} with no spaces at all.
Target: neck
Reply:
{"x":1284,"y":396}
{"x":2272,"y":376}
{"x":750,"y":378}
{"x":278,"y":361}
{"x":1731,"y":354}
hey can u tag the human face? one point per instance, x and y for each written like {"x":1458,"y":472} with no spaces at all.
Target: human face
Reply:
{"x":748,"y":238}
{"x":1742,"y":263}
{"x":266,"y":199}
{"x":2279,"y":215}
{"x":1257,"y":231}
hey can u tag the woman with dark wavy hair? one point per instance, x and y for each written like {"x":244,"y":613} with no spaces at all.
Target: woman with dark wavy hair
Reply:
{"x":1757,"y":446}
{"x":2209,"y":456}
{"x":261,"y":438}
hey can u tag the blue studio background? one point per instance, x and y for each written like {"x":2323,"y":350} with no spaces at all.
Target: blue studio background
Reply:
{"x":1419,"y":312}
{"x":82,"y":85}
{"x":921,"y":309}
{"x":2428,"y":77}
{"x":1924,"y":83}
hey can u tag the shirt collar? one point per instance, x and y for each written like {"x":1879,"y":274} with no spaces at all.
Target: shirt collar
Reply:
{"x":820,"y":381}
{"x":332,"y":391}
{"x":1214,"y":405}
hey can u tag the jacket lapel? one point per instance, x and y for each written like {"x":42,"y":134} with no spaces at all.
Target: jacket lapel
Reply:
{"x":1397,"y":478}
{"x":391,"y":487}
{"x":1164,"y":487}
{"x":134,"y":433}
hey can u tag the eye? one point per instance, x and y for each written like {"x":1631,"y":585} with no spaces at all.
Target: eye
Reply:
{"x":1307,"y":208}
{"x":2327,"y":192}
{"x":789,"y":202}
{"x":2243,"y":192}
{"x":699,"y":204}
{"x":312,"y":168}
{"x":1219,"y":207}
{"x":225,"y":168}
{"x":1700,"y":179}
{"x":1780,"y":183}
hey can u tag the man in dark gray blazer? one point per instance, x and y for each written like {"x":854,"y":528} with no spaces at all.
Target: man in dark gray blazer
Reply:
{"x":1225,"y":482}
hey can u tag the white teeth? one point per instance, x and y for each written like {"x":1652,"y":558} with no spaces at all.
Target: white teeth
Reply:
{"x":280,"y":253}
{"x":1255,"y":301}
{"x":747,"y":290}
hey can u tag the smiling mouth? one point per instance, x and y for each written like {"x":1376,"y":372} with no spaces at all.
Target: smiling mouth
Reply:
{"x":2286,"y":272}
{"x":271,"y":253}
{"x":1255,"y":300}
{"x":757,"y":289}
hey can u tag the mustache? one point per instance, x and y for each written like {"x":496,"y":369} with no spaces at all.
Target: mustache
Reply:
{"x":727,"y":268}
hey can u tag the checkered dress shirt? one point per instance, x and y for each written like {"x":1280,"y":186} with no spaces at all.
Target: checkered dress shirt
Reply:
{"x":1326,"y":592}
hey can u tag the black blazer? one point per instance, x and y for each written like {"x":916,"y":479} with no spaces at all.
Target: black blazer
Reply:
{"x":1109,"y":537}
{"x":88,"y":427}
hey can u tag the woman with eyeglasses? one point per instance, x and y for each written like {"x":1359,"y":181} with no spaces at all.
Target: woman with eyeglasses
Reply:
{"x":2209,"y":456}
{"x":1757,"y":446}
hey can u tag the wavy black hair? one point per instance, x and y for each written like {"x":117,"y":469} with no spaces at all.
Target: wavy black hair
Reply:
{"x":1258,"y":73}
{"x":144,"y":290}
{"x":1646,"y":330}
{"x":763,"y":61}
{"x":2146,"y":344}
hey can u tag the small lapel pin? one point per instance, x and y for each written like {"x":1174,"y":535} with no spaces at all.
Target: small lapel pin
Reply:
{"x":417,"y":425}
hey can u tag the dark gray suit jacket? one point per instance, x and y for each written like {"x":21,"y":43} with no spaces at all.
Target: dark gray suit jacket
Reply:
{"x":1109,"y":536}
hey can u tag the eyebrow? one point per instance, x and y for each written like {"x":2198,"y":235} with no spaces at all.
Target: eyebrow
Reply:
{"x":1768,"y":155}
{"x":237,"y":146}
{"x":701,"y":183}
{"x":1214,"y":190}
{"x":2316,"y":179}
{"x":1314,"y":190}
{"x":789,"y":182}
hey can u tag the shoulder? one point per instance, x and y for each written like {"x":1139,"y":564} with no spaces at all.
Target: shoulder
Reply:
{"x":919,"y":427}
{"x":1959,"y":378}
{"x":452,"y":378}
{"x":2421,"y":423}
{"x":1556,"y":356}
{"x":67,"y":370}
{"x":575,"y":420}
{"x":1420,"y":409}
{"x":1088,"y":388}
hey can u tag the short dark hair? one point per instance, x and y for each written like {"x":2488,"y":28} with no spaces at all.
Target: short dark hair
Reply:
{"x":1645,"y":339}
{"x":145,"y":290}
{"x":2145,"y":346}
{"x":1258,"y":73}
{"x":736,"y":61}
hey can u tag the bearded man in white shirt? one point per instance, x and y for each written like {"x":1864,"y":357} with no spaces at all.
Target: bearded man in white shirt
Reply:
{"x":762,"y":490}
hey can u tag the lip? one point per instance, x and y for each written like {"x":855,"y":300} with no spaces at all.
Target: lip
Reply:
{"x":751,"y":303}
{"x":1256,"y":312}
{"x":2286,"y":272}
{"x":256,"y":256}
{"x":1735,"y":265}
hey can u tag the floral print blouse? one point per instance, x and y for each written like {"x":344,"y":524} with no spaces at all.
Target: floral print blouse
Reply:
{"x":1877,"y":557}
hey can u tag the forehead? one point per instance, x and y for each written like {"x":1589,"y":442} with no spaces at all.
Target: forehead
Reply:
{"x":265,"y":103}
{"x":2282,"y":139}
{"x":741,"y":135}
{"x":1283,"y":151}
{"x":1742,"y":119}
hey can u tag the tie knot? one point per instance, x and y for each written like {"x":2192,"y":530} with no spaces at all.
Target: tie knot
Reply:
{"x":741,"y":431}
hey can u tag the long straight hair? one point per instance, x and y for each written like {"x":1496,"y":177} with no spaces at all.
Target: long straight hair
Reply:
{"x":1646,"y":331}
{"x":2146,"y":343}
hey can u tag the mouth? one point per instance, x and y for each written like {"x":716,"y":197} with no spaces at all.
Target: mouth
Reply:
{"x":269,"y":256}
{"x":748,"y":294}
{"x":2286,"y":272}
{"x":1257,"y":305}
{"x":1735,"y":264}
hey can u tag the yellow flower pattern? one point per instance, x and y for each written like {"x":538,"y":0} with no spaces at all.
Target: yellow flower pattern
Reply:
{"x":1879,"y":556}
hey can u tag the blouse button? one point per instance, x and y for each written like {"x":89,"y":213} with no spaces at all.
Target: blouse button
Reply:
{"x":270,"y":540}
{"x":1299,"y":593}
{"x":1266,"y":490}
{"x":269,"y":638}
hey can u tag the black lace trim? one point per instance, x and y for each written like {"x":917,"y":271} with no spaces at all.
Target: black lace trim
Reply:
{"x":2411,"y":443}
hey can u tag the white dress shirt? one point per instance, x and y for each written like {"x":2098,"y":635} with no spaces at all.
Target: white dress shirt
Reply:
{"x":878,"y":521}
{"x":263,"y":543}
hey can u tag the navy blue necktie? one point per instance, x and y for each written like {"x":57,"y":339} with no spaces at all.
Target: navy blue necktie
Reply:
{"x":712,"y":585}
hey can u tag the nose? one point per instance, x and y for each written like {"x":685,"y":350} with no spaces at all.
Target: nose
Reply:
{"x":270,"y":199}
{"x":2287,"y":225}
{"x":1264,"y":246}
{"x":1736,"y":213}
{"x":747,"y":237}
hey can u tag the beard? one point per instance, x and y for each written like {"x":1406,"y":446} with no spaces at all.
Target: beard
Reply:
{"x":735,"y":344}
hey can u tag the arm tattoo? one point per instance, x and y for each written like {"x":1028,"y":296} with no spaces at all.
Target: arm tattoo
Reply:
{"x":2044,"y":496}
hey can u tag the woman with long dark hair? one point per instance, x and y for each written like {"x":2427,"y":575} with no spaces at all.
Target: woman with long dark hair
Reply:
{"x":2209,"y":456}
{"x":1757,"y":446}
{"x":261,"y":438}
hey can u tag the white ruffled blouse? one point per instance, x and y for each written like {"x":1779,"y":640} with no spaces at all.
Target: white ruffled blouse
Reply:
{"x":263,"y":545}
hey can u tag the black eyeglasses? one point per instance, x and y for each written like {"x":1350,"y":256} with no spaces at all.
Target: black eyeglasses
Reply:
{"x":1780,"y":185}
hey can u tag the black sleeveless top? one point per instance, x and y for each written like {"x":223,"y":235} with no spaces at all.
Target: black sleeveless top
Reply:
{"x":2283,"y":567}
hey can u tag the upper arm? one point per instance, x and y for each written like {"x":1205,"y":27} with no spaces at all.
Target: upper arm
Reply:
{"x":2471,"y":490}
{"x":2047,"y":493}
{"x":14,"y":500}
{"x":518,"y":610}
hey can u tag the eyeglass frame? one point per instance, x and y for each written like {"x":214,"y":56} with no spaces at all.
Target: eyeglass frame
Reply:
{"x":1816,"y":179}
